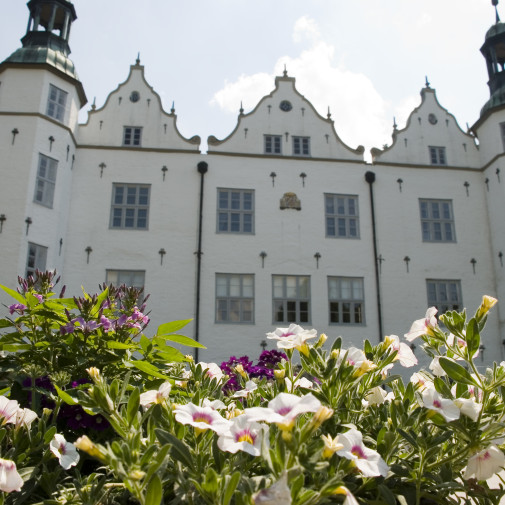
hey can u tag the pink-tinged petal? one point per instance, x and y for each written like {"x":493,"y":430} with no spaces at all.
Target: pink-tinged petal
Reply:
{"x":406,"y":356}
{"x":243,"y":435}
{"x":485,"y":464}
{"x":432,"y":400}
{"x":155,"y":396}
{"x":25,"y":417}
{"x":277,"y":494}
{"x":8,"y":410}
{"x":423,"y":326}
{"x":202,"y":418}
{"x":10,"y":480}
{"x":65,"y":451}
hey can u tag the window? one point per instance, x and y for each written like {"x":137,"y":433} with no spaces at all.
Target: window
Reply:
{"x":36,"y":259}
{"x":56,"y":103}
{"x":301,"y":146}
{"x":130,"y":278}
{"x":437,"y":221}
{"x":273,"y":144}
{"x":132,"y":135}
{"x":235,"y":212}
{"x":291,"y":298}
{"x":444,"y":295}
{"x":130,"y":206}
{"x":342,"y":218}
{"x":46,"y":181}
{"x":234,"y":298}
{"x":437,"y":156}
{"x":347,"y":300}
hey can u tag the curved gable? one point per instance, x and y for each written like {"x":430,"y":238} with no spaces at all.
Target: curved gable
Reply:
{"x":288,"y":120}
{"x":431,"y":137}
{"x":134,"y":104}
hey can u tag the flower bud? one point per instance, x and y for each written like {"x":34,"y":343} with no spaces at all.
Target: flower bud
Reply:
{"x":280,"y":374}
{"x":331,"y":446}
{"x":335,"y":354}
{"x":94,"y":373}
{"x":322,"y":415}
{"x":137,"y":475}
{"x":487,"y":303}
{"x":304,"y":349}
{"x":366,"y":366}
{"x":85,"y":444}
{"x":240,"y":370}
{"x":322,"y":339}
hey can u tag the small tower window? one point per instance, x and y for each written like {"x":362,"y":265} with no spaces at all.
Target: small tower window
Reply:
{"x":273,"y":144}
{"x":56,"y":103}
{"x":132,"y":135}
{"x":437,"y":156}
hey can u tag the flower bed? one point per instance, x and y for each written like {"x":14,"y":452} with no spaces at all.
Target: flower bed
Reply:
{"x":92,"y":411}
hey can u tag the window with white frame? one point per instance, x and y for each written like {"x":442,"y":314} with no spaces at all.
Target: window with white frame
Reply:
{"x":346,"y":299}
{"x":291,"y":298}
{"x":437,"y":155}
{"x":46,"y":181}
{"x":130,"y":278}
{"x":130,"y":206}
{"x":36,"y":258}
{"x":301,"y":146}
{"x":437,"y":220}
{"x":273,"y":144}
{"x":342,"y":216}
{"x":444,"y":295}
{"x":56,"y":103}
{"x":235,"y":211}
{"x":132,"y":135}
{"x":234,"y":298}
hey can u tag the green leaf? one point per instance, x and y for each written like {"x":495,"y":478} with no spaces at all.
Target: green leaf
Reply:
{"x":5,"y":323}
{"x":456,"y":372}
{"x":411,"y":440}
{"x":133,"y":406}
{"x":210,"y":483}
{"x":101,"y":297}
{"x":154,"y":492}
{"x":170,"y":354}
{"x":387,"y":494}
{"x":113,"y":344}
{"x":472,"y":337}
{"x":49,"y":434}
{"x":65,"y":396}
{"x":230,"y":488}
{"x":166,"y":328}
{"x":148,"y":369}
{"x":181,"y":339}
{"x":20,"y":298}
{"x":16,"y":347}
{"x":180,"y":451}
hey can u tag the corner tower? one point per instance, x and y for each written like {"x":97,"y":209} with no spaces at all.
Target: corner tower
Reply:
{"x":40,"y":98}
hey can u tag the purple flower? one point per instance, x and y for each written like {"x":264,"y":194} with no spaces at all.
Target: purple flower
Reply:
{"x":40,"y":298}
{"x":68,"y":328}
{"x":17,"y":307}
{"x":86,"y":326}
{"x":106,"y":323}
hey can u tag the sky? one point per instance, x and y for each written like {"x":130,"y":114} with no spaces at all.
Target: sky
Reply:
{"x":366,"y":60}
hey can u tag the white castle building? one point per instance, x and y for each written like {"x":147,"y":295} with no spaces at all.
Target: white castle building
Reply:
{"x":279,"y":222}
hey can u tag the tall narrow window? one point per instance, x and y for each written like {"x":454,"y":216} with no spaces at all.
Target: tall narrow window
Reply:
{"x":46,"y":181}
{"x":234,"y":298}
{"x":273,"y":144}
{"x":342,"y":216}
{"x":301,"y":146}
{"x":36,"y":259}
{"x":291,"y":298}
{"x":132,"y":135}
{"x":437,"y":155}
{"x":235,"y":211}
{"x":444,"y":295}
{"x":346,"y":299}
{"x":130,"y":206}
{"x":437,"y":220}
{"x":56,"y":103}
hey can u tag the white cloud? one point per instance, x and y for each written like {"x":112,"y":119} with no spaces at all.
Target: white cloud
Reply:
{"x":306,"y":28}
{"x":361,"y":114}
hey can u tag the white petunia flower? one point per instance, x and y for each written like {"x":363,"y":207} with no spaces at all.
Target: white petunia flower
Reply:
{"x":423,"y":326}
{"x":148,"y":398}
{"x":300,"y":383}
{"x":293,"y":337}
{"x":433,"y":401}
{"x":25,"y":417}
{"x":368,"y":461}
{"x":212,"y":370}
{"x":8,"y":410}
{"x":10,"y":480}
{"x":202,"y":418}
{"x":214,"y":404}
{"x":250,"y":386}
{"x":404,"y":355}
{"x":349,"y":497}
{"x":277,"y":494}
{"x":284,"y":409}
{"x":243,"y":435}
{"x":469,"y":407}
{"x":436,"y":368}
{"x":65,"y":451}
{"x":485,"y":464}
{"x":376,"y":396}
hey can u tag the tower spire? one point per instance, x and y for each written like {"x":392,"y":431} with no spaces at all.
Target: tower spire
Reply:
{"x":495,"y":3}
